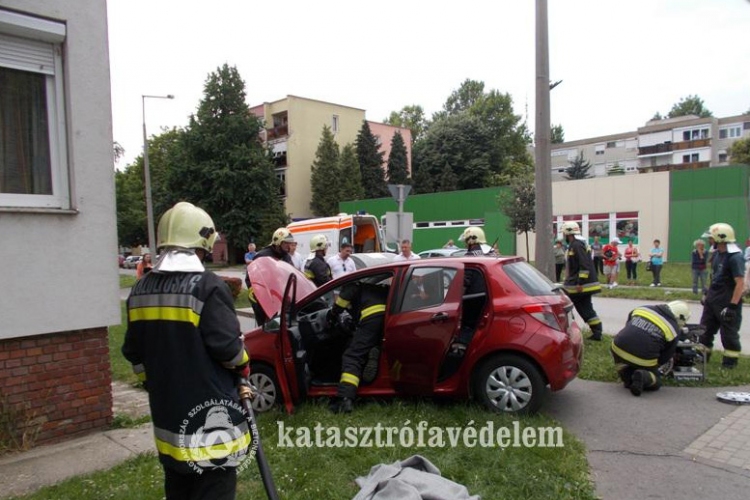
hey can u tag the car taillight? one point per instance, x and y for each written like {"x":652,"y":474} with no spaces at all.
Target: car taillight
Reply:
{"x":544,"y":314}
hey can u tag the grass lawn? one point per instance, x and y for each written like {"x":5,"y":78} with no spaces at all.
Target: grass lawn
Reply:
{"x":313,"y":473}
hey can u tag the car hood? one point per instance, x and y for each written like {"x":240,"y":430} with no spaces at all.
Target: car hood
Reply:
{"x":269,"y":277}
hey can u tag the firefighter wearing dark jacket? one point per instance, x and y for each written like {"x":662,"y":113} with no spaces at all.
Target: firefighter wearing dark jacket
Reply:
{"x":184,"y":342}
{"x":317,"y":269}
{"x":582,"y":280}
{"x":648,"y":340}
{"x":278,"y":249}
{"x":366,"y":303}
{"x":722,"y":308}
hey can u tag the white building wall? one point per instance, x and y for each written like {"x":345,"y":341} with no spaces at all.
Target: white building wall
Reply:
{"x":654,"y":138}
{"x":59,"y":266}
{"x":648,"y":194}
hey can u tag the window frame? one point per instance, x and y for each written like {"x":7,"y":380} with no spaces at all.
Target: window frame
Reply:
{"x":31,"y":30}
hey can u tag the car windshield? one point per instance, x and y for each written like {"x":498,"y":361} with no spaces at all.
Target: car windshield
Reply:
{"x":530,"y":280}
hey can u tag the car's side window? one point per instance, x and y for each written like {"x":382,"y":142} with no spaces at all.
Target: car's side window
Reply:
{"x":426,"y":287}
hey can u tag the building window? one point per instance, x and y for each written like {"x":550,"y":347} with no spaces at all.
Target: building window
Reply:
{"x":722,"y":157}
{"x":612,"y":144}
{"x":33,"y":149}
{"x":281,"y":176}
{"x":599,"y":149}
{"x":730,"y":132}
{"x":335,"y":124}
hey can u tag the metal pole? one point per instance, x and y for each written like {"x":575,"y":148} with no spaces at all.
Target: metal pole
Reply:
{"x":400,"y":214}
{"x":147,"y":176}
{"x":543,"y":182}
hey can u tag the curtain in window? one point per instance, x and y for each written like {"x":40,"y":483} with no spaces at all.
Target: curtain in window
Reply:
{"x":24,"y":133}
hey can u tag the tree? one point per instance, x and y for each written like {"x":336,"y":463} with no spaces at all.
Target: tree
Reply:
{"x":557,"y":134}
{"x":226,"y":168}
{"x":657,"y":116}
{"x":740,"y":151}
{"x":461,"y":141}
{"x":326,"y":176}
{"x":411,"y":117}
{"x":351,"y":177}
{"x":370,"y":163}
{"x":518,"y":203}
{"x":463,"y":98}
{"x":616,"y":170}
{"x":398,"y":168}
{"x":690,"y":105}
{"x":578,"y":169}
{"x":117,"y":151}
{"x":447,"y":180}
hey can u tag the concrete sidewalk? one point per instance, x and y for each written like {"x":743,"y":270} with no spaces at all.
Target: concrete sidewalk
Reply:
{"x":677,"y":443}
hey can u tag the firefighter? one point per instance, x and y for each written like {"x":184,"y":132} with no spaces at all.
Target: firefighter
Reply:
{"x":722,"y":307}
{"x":366,"y":303}
{"x":473,"y":237}
{"x":316,"y":268}
{"x":281,"y":242}
{"x":648,"y":340}
{"x":582,"y":281}
{"x":184,"y":342}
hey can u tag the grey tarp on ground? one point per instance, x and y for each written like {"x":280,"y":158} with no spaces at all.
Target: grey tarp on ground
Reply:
{"x":415,"y":478}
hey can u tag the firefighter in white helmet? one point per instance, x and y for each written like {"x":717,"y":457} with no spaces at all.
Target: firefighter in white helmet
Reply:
{"x":473,"y":237}
{"x":722,"y":309}
{"x":648,"y":340}
{"x":278,"y":249}
{"x":316,"y":268}
{"x":185,"y":344}
{"x":582,"y":280}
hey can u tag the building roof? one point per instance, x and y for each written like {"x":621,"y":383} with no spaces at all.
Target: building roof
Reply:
{"x":593,"y":140}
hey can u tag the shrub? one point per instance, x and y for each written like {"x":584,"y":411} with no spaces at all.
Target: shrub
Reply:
{"x":234,"y":284}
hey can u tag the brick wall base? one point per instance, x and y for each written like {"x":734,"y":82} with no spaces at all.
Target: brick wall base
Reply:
{"x":59,"y":385}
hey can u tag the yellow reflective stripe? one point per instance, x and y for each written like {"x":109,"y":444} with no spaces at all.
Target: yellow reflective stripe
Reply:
{"x":203,"y":453}
{"x":583,"y":274}
{"x":634,"y":359}
{"x":309,"y":274}
{"x":594,"y":321}
{"x":586,"y":288}
{"x":343,"y":303}
{"x":165,"y":314}
{"x":665,"y":327}
{"x":369,"y":311}
{"x":348,"y":378}
{"x":141,"y":376}
{"x":731,"y":354}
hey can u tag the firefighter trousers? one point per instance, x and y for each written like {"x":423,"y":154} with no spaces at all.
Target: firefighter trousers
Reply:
{"x":368,"y":335}
{"x":730,"y":332}
{"x":211,"y":484}
{"x":585,"y":307}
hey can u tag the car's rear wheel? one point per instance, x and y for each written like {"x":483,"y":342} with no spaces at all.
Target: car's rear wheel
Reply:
{"x":507,"y":383}
{"x":268,"y":395}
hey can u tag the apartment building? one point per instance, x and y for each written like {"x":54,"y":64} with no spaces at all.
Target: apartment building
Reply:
{"x":681,"y":143}
{"x":293,"y":128}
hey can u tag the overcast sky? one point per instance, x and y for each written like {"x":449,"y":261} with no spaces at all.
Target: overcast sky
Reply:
{"x":620,"y":62}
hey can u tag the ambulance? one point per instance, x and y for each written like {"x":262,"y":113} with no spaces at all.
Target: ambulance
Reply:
{"x":362,"y":231}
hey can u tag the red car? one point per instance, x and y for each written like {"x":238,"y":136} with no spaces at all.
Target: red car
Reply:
{"x":525,"y":334}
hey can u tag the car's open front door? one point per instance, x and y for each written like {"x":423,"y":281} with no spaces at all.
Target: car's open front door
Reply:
{"x":290,"y":363}
{"x":424,"y":320}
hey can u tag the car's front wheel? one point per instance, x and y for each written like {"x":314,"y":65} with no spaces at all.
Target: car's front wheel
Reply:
{"x":508,"y":383}
{"x":267,"y":393}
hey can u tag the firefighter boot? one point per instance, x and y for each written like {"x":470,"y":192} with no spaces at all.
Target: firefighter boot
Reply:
{"x":341,"y":405}
{"x":728,"y":363}
{"x":637,"y":382}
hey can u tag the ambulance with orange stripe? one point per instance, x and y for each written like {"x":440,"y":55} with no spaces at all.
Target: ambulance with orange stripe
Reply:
{"x":360,"y":230}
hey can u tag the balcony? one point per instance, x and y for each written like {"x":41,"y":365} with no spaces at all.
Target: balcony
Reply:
{"x":277,"y":132}
{"x":677,"y":166}
{"x":668,"y":147}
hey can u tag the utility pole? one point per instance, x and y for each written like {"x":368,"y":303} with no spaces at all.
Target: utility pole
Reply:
{"x":543,"y":176}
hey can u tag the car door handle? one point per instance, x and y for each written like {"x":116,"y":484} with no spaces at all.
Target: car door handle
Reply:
{"x":439,"y":318}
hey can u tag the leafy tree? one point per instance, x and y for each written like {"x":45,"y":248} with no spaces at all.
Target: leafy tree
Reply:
{"x":519,"y":204}
{"x":411,"y":117}
{"x":370,"y":163}
{"x":740,"y":151}
{"x":447,"y":180}
{"x":326,"y":176}
{"x":117,"y":151}
{"x":398,"y":168}
{"x":131,"y":207}
{"x":461,"y":141}
{"x":616,"y":170}
{"x":351,"y":177}
{"x":557,"y":134}
{"x":578,"y":169}
{"x":657,"y":116}
{"x":226,"y":169}
{"x":690,"y":105}
{"x":466,"y":96}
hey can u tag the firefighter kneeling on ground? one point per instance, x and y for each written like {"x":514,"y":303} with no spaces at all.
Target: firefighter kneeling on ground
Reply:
{"x":648,"y":340}
{"x":366,"y":303}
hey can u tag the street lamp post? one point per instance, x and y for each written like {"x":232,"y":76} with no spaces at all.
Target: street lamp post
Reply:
{"x":147,"y":175}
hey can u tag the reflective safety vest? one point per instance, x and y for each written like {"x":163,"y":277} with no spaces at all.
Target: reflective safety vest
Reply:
{"x":365,"y":300}
{"x":318,"y":271}
{"x":184,"y":342}
{"x":581,"y":270}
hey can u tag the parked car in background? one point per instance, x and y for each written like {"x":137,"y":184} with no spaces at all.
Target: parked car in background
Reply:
{"x":438,"y":252}
{"x":525,"y":336}
{"x":131,"y":262}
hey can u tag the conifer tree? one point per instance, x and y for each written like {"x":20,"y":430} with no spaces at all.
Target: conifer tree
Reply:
{"x":370,"y":163}
{"x":325,"y":176}
{"x":351,"y":177}
{"x":398,"y":172}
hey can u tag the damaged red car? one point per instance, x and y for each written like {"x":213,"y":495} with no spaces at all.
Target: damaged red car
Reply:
{"x":525,"y":338}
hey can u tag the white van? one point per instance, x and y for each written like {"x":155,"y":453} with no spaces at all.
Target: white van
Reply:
{"x":362,"y":231}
